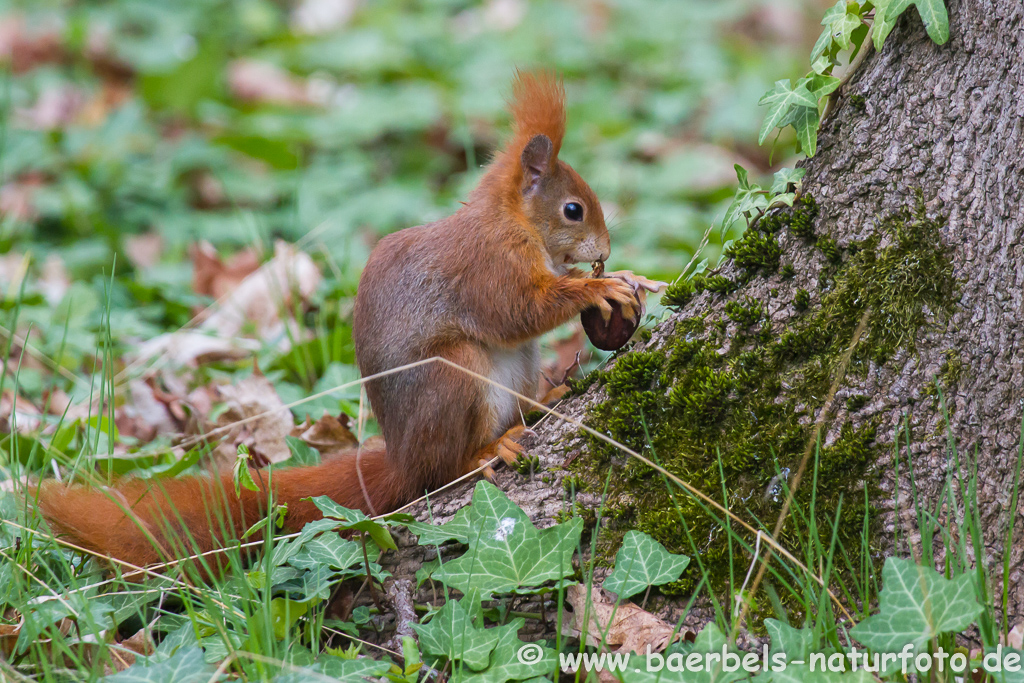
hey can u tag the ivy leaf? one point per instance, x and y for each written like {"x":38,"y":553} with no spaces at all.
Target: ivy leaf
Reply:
{"x":785,"y":177}
{"x":933,"y":14}
{"x":303,"y":455}
{"x":184,"y":666}
{"x":506,"y":551}
{"x":331,"y":550}
{"x":505,"y":662}
{"x":917,"y":604}
{"x":643,"y":562}
{"x":451,"y":633}
{"x":285,"y":550}
{"x":355,"y":520}
{"x":40,"y":615}
{"x":796,"y":643}
{"x":801,"y":673}
{"x":455,"y":529}
{"x":748,"y":199}
{"x":840,"y":21}
{"x":820,"y":85}
{"x":781,"y":100}
{"x":339,"y":669}
{"x":805,"y":121}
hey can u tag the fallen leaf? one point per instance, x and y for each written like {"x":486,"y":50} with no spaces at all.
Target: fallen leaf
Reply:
{"x":256,"y":81}
{"x":630,"y":628}
{"x":194,"y":347}
{"x":26,"y":417}
{"x":270,"y":422}
{"x":261,"y":297}
{"x":144,"y":251}
{"x":25,"y":48}
{"x":316,"y":17}
{"x":16,"y":198}
{"x":140,"y":643}
{"x":329,"y":435}
{"x":255,"y":304}
{"x":56,"y":107}
{"x":144,"y":416}
{"x":1015,"y":638}
{"x":211,"y":276}
{"x":9,"y":632}
{"x":53,"y":280}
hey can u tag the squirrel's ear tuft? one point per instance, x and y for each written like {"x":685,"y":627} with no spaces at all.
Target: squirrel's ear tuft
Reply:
{"x":538,"y":108}
{"x":536,"y":159}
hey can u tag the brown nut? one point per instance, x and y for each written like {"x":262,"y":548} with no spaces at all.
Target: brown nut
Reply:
{"x":611,"y":334}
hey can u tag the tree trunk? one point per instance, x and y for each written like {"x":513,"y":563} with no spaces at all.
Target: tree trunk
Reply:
{"x":911,"y":220}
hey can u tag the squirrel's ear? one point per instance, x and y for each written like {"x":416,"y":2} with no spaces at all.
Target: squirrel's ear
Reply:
{"x":536,"y":160}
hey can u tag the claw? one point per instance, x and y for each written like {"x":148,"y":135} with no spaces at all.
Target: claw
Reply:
{"x":488,"y":471}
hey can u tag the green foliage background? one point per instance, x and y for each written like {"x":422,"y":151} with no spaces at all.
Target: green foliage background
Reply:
{"x":663,"y":99}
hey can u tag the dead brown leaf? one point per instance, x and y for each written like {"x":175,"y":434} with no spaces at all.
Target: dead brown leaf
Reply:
{"x":53,"y":279}
{"x":252,"y":80}
{"x":628,"y":627}
{"x":17,"y":413}
{"x":322,"y":16}
{"x":141,"y":643}
{"x":329,"y":435}
{"x":9,"y":631}
{"x":144,"y":416}
{"x":24,"y":48}
{"x":144,"y":251}
{"x":263,"y":435}
{"x":1015,"y":638}
{"x":16,"y":198}
{"x":255,"y":304}
{"x":56,"y":107}
{"x":261,"y":297}
{"x":212,"y":276}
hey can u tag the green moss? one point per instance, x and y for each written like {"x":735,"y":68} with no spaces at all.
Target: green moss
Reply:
{"x":748,"y":313}
{"x":788,"y":271}
{"x":855,"y":403}
{"x":756,"y":251}
{"x":952,"y":370}
{"x":801,"y":300}
{"x":678,"y":293}
{"x":719,"y":284}
{"x":740,"y":402}
{"x":525,"y":464}
{"x":801,"y":222}
{"x":830,"y":248}
{"x":858,"y":103}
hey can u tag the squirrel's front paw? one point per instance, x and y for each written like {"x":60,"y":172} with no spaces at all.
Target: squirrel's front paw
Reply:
{"x":639,"y":282}
{"x":506,"y":447}
{"x":621,"y":292}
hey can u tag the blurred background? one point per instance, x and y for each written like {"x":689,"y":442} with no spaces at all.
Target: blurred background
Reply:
{"x":153,"y":153}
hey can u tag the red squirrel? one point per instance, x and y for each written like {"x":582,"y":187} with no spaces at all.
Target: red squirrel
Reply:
{"x":476,"y":288}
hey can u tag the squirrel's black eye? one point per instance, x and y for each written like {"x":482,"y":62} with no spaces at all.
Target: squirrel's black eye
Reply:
{"x":573,"y":211}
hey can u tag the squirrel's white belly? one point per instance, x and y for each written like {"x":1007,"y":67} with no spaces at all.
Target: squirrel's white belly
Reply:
{"x":519,"y":370}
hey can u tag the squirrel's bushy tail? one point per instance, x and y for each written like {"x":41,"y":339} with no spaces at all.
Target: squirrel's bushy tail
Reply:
{"x":146,"y":521}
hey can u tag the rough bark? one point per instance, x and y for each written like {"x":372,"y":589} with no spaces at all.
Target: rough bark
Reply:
{"x":945,"y":123}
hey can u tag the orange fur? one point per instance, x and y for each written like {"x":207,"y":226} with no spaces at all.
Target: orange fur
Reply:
{"x":476,"y":288}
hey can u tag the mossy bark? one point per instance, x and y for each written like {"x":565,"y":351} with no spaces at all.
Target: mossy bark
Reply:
{"x":912,"y":218}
